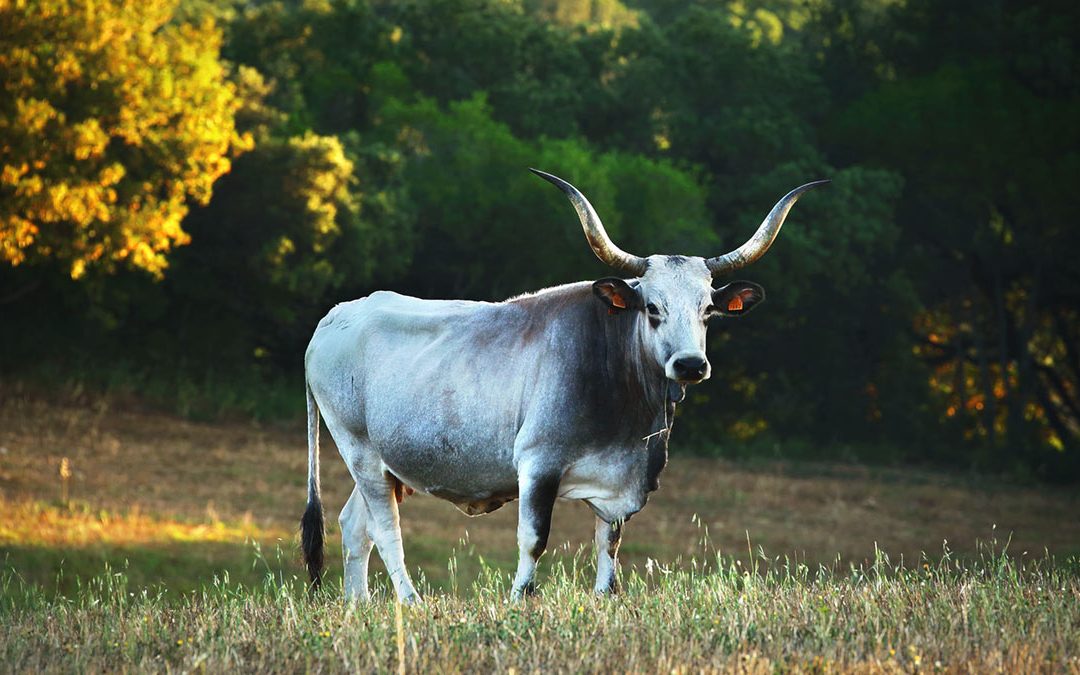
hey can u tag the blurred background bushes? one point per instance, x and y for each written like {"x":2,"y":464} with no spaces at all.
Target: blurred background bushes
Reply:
{"x":187,"y":186}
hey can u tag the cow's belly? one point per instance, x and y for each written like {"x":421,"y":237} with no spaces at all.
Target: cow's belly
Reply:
{"x":475,"y":480}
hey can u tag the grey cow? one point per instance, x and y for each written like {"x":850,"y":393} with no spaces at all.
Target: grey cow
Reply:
{"x":567,"y":393}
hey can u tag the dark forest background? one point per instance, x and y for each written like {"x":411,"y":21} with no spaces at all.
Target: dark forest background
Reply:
{"x":188,"y":186}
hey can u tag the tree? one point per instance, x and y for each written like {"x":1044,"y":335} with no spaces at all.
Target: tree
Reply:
{"x":606,"y":13}
{"x":112,"y":121}
{"x":981,"y":125}
{"x":487,"y":228}
{"x":300,"y":222}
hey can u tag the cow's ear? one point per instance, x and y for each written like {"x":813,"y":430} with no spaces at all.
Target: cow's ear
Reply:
{"x":617,"y":294}
{"x":737,"y":298}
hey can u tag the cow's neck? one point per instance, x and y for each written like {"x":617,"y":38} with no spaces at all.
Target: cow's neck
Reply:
{"x":617,"y":375}
{"x":639,"y":380}
{"x":657,"y":405}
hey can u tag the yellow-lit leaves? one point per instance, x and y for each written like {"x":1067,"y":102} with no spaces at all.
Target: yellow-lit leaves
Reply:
{"x":88,"y":139}
{"x":112,"y":120}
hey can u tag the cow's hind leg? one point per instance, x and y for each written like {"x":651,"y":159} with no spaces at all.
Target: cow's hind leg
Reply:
{"x":538,"y":494}
{"x":608,"y":537}
{"x":375,"y":491}
{"x":356,"y":546}
{"x":384,"y":528}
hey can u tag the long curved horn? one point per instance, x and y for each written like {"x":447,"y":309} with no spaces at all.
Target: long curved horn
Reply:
{"x":756,"y":246}
{"x":601,"y":244}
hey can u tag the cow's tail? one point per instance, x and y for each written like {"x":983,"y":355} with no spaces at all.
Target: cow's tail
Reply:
{"x":311,"y":525}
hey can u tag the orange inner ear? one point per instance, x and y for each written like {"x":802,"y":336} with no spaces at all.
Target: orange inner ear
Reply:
{"x":617,"y":301}
{"x":735,"y":304}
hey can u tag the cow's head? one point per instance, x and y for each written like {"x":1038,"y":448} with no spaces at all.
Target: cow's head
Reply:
{"x":673,"y":295}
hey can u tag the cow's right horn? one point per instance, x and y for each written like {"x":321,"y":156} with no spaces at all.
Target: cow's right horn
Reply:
{"x":601,"y":244}
{"x":756,"y":246}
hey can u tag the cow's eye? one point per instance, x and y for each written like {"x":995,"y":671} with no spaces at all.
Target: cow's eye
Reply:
{"x":654,"y":315}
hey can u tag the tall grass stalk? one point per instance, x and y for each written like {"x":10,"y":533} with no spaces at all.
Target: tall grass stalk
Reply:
{"x":991,"y":612}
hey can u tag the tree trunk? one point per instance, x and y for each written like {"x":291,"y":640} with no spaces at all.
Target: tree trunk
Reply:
{"x":1001,"y":314}
{"x":989,"y":405}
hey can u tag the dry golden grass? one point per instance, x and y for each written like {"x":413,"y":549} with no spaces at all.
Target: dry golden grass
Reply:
{"x":48,"y":525}
{"x":189,"y":505}
{"x":128,"y":461}
{"x":986,"y":615}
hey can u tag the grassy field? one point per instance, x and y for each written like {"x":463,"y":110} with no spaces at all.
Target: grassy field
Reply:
{"x":987,"y":616}
{"x":176,"y":550}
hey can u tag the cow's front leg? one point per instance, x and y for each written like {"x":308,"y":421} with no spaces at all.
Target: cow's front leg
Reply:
{"x":537,"y":494}
{"x":608,"y":537}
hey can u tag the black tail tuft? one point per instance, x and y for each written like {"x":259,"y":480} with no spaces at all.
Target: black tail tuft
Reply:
{"x":311,"y":541}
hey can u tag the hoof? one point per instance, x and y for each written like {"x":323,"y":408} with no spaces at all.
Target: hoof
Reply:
{"x":411,"y":600}
{"x":519,"y":594}
{"x":607,"y":590}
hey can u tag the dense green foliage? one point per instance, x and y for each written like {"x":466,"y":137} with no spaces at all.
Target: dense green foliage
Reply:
{"x":925,"y":307}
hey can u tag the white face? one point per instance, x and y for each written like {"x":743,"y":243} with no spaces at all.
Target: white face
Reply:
{"x":678,"y":297}
{"x":674,"y":300}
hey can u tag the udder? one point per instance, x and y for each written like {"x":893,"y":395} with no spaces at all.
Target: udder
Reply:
{"x":475,"y":504}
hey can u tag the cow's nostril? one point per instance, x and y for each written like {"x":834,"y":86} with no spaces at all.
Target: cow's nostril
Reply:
{"x":690,"y":368}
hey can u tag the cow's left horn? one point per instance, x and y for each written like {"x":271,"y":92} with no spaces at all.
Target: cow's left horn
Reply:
{"x":601,"y":244}
{"x":766,"y":233}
